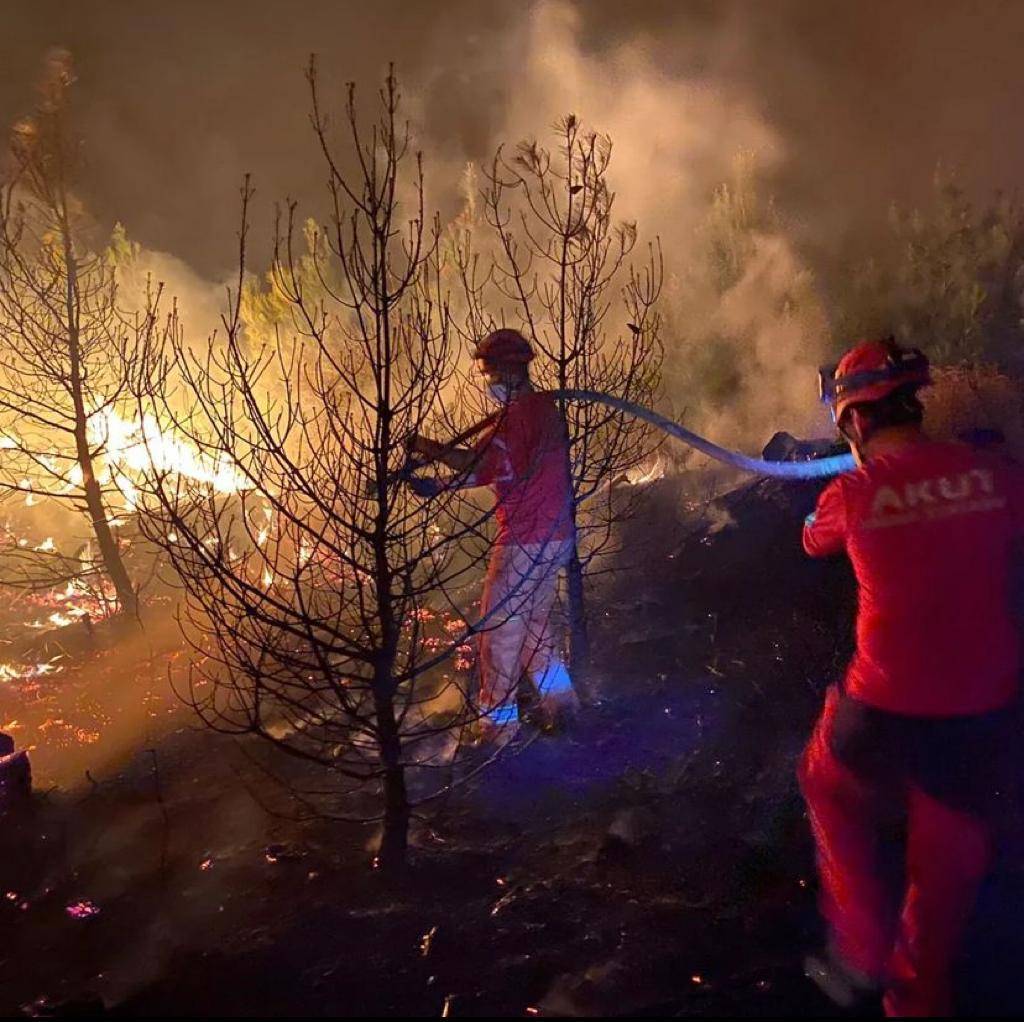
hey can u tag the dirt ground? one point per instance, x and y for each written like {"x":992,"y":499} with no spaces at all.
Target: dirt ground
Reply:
{"x":655,"y":860}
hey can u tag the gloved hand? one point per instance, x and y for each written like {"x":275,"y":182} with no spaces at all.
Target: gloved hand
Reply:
{"x":425,"y":486}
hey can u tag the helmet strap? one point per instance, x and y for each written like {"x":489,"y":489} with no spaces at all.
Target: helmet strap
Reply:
{"x":851,"y":429}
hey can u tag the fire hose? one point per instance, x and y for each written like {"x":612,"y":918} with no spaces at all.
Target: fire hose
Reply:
{"x":817,"y":468}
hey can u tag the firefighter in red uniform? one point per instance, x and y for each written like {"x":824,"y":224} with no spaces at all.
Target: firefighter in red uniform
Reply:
{"x":524,"y":459}
{"x":924,"y":710}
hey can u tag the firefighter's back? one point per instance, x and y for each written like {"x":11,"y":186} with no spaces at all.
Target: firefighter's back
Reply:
{"x":930,"y":531}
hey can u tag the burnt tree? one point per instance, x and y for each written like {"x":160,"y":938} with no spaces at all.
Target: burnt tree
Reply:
{"x":68,"y":347}
{"x":312,"y":595}
{"x":561,"y":268}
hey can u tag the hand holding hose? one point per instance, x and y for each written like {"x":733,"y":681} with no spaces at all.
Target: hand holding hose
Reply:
{"x":423,"y":451}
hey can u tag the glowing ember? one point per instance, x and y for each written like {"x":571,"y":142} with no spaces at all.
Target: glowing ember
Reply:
{"x":427,"y":940}
{"x":463,"y":657}
{"x":77,"y":601}
{"x":83,"y":909}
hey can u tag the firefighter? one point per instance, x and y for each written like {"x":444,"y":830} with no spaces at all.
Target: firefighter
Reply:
{"x":524,"y":458}
{"x":916,"y":728}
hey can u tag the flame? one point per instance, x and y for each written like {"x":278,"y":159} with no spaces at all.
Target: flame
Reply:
{"x":79,"y":600}
{"x":264,"y":532}
{"x":129,"y":451}
{"x":140,"y":447}
{"x":83,"y":909}
{"x":21,"y":672}
{"x":642,"y":474}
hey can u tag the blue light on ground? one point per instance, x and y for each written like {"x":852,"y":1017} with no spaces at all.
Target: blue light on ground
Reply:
{"x":644,"y":729}
{"x":555,"y":680}
{"x":504,"y":714}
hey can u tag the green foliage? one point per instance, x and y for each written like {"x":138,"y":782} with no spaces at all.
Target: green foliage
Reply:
{"x":715,"y":369}
{"x":949,"y":283}
{"x":269,"y":305}
{"x":121,"y":252}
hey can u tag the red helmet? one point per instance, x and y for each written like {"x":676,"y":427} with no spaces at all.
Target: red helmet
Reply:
{"x":869,"y":372}
{"x":505,"y":347}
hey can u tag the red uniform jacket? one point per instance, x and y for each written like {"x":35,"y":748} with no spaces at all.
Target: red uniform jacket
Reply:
{"x":525,"y":460}
{"x":930,"y":531}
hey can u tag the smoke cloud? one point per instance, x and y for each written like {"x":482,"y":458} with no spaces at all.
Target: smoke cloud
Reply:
{"x":843,"y":108}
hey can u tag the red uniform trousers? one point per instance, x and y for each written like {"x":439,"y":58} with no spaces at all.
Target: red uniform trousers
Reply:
{"x":517,"y":611}
{"x":941,"y":774}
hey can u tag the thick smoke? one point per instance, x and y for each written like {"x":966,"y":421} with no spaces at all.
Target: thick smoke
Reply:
{"x":677,"y":138}
{"x":179,"y":100}
{"x":845,"y":108}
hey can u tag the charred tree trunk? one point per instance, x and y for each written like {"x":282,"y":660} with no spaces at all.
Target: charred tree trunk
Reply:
{"x":561,"y":257}
{"x":579,"y":637}
{"x":113,"y":564}
{"x":395,"y":833}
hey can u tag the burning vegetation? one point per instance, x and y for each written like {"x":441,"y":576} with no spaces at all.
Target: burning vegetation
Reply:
{"x":224,"y":529}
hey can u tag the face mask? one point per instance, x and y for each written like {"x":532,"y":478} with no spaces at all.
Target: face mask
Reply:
{"x":499,"y":392}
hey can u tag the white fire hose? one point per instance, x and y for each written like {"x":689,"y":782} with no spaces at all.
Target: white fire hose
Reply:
{"x":817,"y":468}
